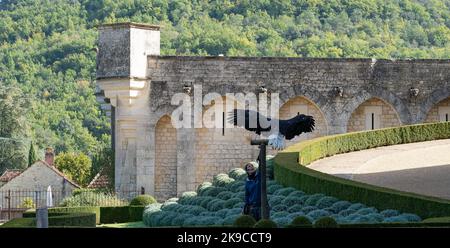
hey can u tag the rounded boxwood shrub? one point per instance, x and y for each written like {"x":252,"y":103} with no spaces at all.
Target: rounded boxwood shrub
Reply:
{"x":292,"y":200}
{"x":213,"y":191}
{"x":295,"y":208}
{"x":356,"y":206}
{"x":245,"y":221}
{"x":234,"y":211}
{"x":301,"y":221}
{"x":347,"y":212}
{"x":326,"y":202}
{"x":237,"y":174}
{"x":195,"y":210}
{"x":308,"y":209}
{"x":207,"y":213}
{"x":142,"y":200}
{"x":273,"y":188}
{"x":179,"y":219}
{"x":222,"y":180}
{"x":202,"y":187}
{"x":205,"y":201}
{"x":237,"y":186}
{"x":233,"y":201}
{"x":222,"y":213}
{"x":340,"y":205}
{"x":279,"y":208}
{"x":317,"y":214}
{"x":375,"y":217}
{"x":275,"y":200}
{"x":366,"y":211}
{"x":313,"y":199}
{"x":271,"y":183}
{"x":411,"y":217}
{"x":240,"y":195}
{"x":296,"y":193}
{"x":282,"y":221}
{"x":284,"y":191}
{"x":186,"y":195}
{"x":207,"y":221}
{"x":277,"y":215}
{"x":216,"y":205}
{"x":389,"y":213}
{"x":294,"y":215}
{"x":326,"y":222}
{"x":264,"y":223}
{"x":230,"y":219}
{"x":191,"y":221}
{"x":225,"y":195}
{"x":166,"y":220}
{"x":238,"y":205}
{"x":171,"y":206}
{"x":395,"y":219}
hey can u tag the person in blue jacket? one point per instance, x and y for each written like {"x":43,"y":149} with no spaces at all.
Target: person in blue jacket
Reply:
{"x":252,"y":192}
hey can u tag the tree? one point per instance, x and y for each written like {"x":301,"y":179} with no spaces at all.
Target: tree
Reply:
{"x":76,"y":166}
{"x":32,"y":155}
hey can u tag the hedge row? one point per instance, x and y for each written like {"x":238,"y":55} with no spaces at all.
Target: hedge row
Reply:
{"x":64,"y":210}
{"x":289,"y":173}
{"x":110,"y":215}
{"x":57,"y":220}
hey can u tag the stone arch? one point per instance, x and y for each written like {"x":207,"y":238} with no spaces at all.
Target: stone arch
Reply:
{"x":303,"y":105}
{"x":315,"y":97}
{"x":219,"y":150}
{"x":388,"y":117}
{"x":428,"y":110}
{"x":387,"y":97}
{"x":165,"y":159}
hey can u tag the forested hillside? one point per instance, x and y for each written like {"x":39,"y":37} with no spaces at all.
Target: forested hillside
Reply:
{"x":47,"y":55}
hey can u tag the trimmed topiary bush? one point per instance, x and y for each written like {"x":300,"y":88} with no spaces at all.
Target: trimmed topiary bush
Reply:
{"x":142,"y":200}
{"x":389,"y":213}
{"x":273,"y":188}
{"x":313,"y":199}
{"x":292,"y":216}
{"x":277,"y":215}
{"x":275,"y":200}
{"x":340,"y":205}
{"x":282,"y":221}
{"x":295,"y":208}
{"x":356,"y":206}
{"x":230,"y":203}
{"x":326,"y":202}
{"x":222,"y":180}
{"x":326,"y":222}
{"x":179,"y":219}
{"x":317,"y":214}
{"x":225,"y":195}
{"x":308,"y":209}
{"x":301,"y":221}
{"x":366,"y":211}
{"x":202,"y":187}
{"x":245,"y":221}
{"x":263,"y":223}
{"x":284,"y":191}
{"x":279,"y":208}
{"x":237,"y":174}
{"x":186,"y":196}
{"x":292,"y":200}
{"x":296,"y":193}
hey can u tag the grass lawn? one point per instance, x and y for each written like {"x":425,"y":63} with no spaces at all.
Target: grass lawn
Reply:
{"x":138,"y":224}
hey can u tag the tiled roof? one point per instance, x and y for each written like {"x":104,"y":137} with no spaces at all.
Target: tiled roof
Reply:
{"x":60,"y":174}
{"x":9,"y":174}
{"x":101,"y":180}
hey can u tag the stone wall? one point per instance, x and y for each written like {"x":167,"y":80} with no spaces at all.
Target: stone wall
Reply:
{"x":334,"y":91}
{"x":388,"y":116}
{"x":433,"y":115}
{"x":166,"y":159}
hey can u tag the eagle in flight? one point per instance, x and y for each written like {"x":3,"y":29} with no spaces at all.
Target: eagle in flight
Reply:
{"x":287,"y":129}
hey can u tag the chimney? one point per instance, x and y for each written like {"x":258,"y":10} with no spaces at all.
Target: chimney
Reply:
{"x":49,"y":156}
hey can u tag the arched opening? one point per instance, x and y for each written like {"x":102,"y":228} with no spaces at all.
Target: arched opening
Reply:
{"x":302,"y":105}
{"x":166,"y":159}
{"x":220,"y":149}
{"x":373,"y":114}
{"x":440,"y":112}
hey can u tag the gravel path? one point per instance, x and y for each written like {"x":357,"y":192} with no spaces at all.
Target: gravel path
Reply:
{"x":422,"y":167}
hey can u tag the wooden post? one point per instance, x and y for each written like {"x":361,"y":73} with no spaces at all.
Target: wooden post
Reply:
{"x":262,"y":169}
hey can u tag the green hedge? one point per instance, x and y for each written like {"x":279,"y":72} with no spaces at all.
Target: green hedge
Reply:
{"x":65,"y":210}
{"x":110,"y":215}
{"x":57,"y":220}
{"x":289,"y":173}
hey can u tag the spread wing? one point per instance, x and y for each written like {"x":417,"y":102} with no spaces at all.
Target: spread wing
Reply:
{"x":297,"y":125}
{"x":250,"y":120}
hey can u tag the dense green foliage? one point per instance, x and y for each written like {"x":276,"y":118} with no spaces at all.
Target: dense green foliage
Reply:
{"x":121,"y":214}
{"x":289,"y":172}
{"x":47,"y":49}
{"x":92,"y":198}
{"x":75,"y":166}
{"x":245,"y":221}
{"x":222,"y":206}
{"x":66,"y":210}
{"x":57,"y":220}
{"x":263,"y":223}
{"x":142,"y":200}
{"x":326,"y":222}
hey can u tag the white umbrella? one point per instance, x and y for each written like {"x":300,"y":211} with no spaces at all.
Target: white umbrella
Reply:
{"x":49,"y":197}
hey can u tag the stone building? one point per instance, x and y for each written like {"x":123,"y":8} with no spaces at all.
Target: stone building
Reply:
{"x":33,"y":182}
{"x":343,"y":95}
